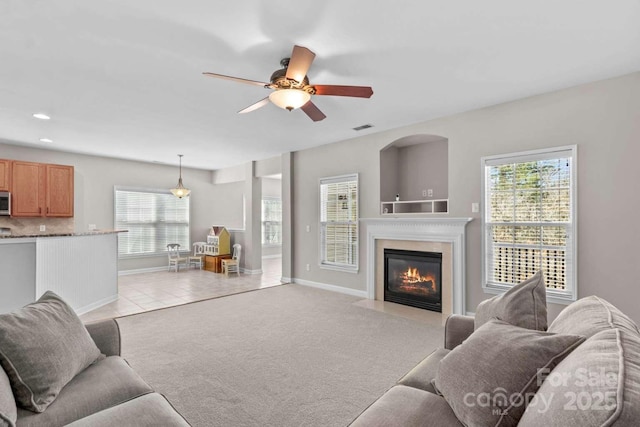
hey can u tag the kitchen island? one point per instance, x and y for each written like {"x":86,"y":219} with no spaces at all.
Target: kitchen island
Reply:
{"x":80,"y":267}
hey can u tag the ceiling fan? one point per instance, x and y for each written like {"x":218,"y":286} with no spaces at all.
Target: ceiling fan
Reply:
{"x":291,"y":88}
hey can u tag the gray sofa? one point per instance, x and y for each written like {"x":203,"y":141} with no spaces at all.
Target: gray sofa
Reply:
{"x":107,"y":393}
{"x":597,"y":382}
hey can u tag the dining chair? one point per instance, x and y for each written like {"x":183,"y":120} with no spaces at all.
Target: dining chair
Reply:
{"x":175,"y":259}
{"x":232,"y":265}
{"x":197,"y":259}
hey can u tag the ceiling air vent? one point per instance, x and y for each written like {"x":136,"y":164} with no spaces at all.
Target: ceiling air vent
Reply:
{"x":363,"y":127}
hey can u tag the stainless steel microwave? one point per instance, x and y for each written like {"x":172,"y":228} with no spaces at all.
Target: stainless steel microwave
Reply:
{"x":5,"y":203}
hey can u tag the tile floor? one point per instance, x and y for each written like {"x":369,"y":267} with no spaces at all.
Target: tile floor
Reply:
{"x":138,"y":293}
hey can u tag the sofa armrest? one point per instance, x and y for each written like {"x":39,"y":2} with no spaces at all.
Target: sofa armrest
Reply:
{"x":106,"y":335}
{"x":457,"y":329}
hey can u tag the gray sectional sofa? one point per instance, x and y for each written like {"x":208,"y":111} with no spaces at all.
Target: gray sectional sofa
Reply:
{"x":107,"y":392}
{"x":590,"y":378}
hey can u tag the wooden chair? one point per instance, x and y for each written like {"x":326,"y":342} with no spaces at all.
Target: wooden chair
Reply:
{"x":232,"y":265}
{"x":197,"y":259}
{"x":173,"y":252}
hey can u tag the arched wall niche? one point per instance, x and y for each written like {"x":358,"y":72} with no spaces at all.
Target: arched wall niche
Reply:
{"x":413,"y":165}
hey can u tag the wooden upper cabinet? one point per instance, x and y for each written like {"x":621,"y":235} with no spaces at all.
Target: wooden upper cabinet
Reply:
{"x":39,"y":189}
{"x":27,"y":189}
{"x":59,"y":195}
{"x":5,"y":175}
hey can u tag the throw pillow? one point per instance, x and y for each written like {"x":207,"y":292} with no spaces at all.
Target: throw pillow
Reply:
{"x":591,"y":315}
{"x":42,"y":347}
{"x":523,"y":305}
{"x":596,"y":385}
{"x":489,"y":379}
{"x":8,"y":410}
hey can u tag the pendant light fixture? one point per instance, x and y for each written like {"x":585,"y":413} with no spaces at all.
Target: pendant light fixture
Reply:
{"x":180,"y":191}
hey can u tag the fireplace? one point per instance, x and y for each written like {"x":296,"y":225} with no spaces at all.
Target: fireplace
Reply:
{"x":413,"y":278}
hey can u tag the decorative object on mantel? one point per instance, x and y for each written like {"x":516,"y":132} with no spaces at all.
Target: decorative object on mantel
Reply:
{"x":180,"y":191}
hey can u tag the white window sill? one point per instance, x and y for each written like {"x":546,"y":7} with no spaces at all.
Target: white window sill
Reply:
{"x":353,"y":270}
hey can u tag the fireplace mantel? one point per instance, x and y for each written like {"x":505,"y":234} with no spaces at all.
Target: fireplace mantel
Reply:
{"x":444,"y":230}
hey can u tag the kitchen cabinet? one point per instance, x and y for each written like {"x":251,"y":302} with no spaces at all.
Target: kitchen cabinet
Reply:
{"x":41,"y":190}
{"x":59,"y":191}
{"x":27,"y":189}
{"x":5,"y":175}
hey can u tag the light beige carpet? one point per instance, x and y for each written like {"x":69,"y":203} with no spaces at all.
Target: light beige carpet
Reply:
{"x":283,"y":356}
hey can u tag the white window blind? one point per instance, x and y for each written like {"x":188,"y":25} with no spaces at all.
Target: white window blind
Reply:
{"x":529,"y":220}
{"x":271,"y":221}
{"x":154,"y":219}
{"x":339,"y":222}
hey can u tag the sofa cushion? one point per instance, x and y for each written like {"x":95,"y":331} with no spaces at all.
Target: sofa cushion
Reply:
{"x":8,"y":411}
{"x":488,"y":379}
{"x":102,"y":385}
{"x":595,"y":385}
{"x":150,"y":410}
{"x":408,"y":407}
{"x":590,"y":315}
{"x":425,"y":372}
{"x":42,"y":347}
{"x":523,"y":305}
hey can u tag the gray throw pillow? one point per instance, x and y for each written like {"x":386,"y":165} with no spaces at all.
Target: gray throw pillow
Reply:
{"x":42,"y":347}
{"x":591,"y":315}
{"x":489,"y":379}
{"x":523,"y":305}
{"x":596,"y":385}
{"x":8,"y":410}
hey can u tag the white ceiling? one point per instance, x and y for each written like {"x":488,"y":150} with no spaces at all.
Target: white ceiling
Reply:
{"x":122,"y":78}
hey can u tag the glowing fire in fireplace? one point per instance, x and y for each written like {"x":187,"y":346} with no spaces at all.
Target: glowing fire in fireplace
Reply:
{"x":412,"y":279}
{"x":412,"y":275}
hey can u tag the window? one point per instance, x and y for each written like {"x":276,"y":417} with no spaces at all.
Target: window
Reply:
{"x":271,"y":221}
{"x":339,"y":222}
{"x":529,"y":220}
{"x":154,"y":219}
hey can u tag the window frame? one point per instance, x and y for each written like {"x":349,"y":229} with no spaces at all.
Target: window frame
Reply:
{"x":162,"y":252}
{"x":263,"y":222}
{"x":571,"y":260}
{"x":322,"y":263}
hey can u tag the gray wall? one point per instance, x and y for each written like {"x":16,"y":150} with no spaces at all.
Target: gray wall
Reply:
{"x":95,"y":178}
{"x":602,"y":118}
{"x":423,"y":167}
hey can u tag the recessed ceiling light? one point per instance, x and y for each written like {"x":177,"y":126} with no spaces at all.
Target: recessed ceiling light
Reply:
{"x":45,"y":140}
{"x":41,"y":116}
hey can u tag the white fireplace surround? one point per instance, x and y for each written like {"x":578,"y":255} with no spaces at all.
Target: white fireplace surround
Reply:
{"x":443,"y":230}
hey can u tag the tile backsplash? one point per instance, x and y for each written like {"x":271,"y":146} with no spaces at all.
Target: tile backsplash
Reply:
{"x":20,"y":226}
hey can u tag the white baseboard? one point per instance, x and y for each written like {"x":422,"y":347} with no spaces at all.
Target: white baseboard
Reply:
{"x":286,"y":279}
{"x":272,"y":256}
{"x":141,"y":270}
{"x":97,"y":304}
{"x":246,"y":271}
{"x":333,"y":288}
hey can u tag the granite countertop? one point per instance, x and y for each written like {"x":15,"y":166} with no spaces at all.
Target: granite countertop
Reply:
{"x":84,"y":233}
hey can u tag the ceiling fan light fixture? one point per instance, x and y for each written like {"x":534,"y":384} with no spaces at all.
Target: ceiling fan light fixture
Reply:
{"x":289,"y":99}
{"x":180,"y":191}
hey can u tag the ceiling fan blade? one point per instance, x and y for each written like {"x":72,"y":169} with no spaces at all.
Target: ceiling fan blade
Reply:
{"x":301,"y":59}
{"x":253,"y":107}
{"x":313,"y":112}
{"x":335,"y":90}
{"x":238,"y":79}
